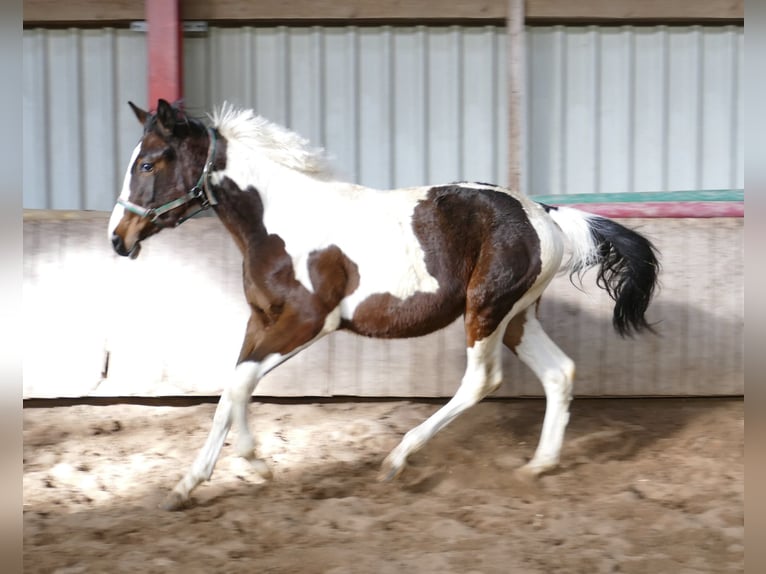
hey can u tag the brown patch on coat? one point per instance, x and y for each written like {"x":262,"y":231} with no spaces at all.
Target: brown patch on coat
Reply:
{"x":514,"y":332}
{"x":482,"y":250}
{"x":384,"y":316}
{"x":333,"y":275}
{"x":284,"y":314}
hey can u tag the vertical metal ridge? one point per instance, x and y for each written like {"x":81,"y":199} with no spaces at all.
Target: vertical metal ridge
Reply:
{"x":700,"y":95}
{"x":321,"y":65}
{"x":113,"y":80}
{"x":79,"y":55}
{"x":494,"y":74}
{"x":423,"y":40}
{"x":631,"y":171}
{"x":665,"y":170}
{"x":47,"y":115}
{"x":597,"y":74}
{"x":355,"y":42}
{"x":734,"y":117}
{"x":460,"y":64}
{"x":528,"y":78}
{"x":284,"y":39}
{"x":389,"y":62}
{"x":249,"y":66}
{"x":215,"y":80}
{"x":562,"y":41}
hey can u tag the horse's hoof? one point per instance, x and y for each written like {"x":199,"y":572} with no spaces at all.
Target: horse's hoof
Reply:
{"x":530,"y":473}
{"x":389,"y":471}
{"x":261,"y":468}
{"x":174,"y":501}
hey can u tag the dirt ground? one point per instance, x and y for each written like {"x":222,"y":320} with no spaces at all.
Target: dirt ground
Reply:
{"x":646,"y":486}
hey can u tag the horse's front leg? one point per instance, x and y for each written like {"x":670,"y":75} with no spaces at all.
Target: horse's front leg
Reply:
{"x":245,"y":376}
{"x":262,"y":350}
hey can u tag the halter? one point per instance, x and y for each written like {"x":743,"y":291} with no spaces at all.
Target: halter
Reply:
{"x":200,"y":191}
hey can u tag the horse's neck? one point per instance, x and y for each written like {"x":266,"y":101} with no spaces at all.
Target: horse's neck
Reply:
{"x":278,"y":204}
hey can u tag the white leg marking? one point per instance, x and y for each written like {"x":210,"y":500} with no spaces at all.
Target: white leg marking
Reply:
{"x":556,"y":372}
{"x":232,"y":409}
{"x":483,"y":375}
{"x":244,"y":378}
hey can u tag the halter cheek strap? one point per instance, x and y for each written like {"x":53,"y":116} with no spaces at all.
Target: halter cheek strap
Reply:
{"x":201,"y":191}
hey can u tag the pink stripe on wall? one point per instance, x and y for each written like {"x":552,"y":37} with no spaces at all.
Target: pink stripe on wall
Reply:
{"x":665,"y":209}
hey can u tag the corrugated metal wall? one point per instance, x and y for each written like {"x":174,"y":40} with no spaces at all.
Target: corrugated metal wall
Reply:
{"x":78,"y":129}
{"x":621,"y":109}
{"x":395,"y":106}
{"x":610,"y":109}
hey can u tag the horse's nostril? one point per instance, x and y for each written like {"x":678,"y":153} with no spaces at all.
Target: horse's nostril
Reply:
{"x":118,"y":245}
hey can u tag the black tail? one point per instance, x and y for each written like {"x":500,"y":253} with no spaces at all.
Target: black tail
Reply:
{"x":628,"y":270}
{"x":627,"y":261}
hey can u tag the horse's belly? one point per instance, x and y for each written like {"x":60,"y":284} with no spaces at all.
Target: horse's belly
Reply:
{"x":383,"y":315}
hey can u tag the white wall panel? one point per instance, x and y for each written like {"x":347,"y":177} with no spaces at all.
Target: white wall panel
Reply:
{"x":71,"y":273}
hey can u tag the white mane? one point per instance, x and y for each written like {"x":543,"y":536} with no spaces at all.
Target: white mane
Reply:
{"x":277,"y":143}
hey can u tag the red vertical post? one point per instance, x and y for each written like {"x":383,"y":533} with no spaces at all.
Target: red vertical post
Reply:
{"x":164,"y":50}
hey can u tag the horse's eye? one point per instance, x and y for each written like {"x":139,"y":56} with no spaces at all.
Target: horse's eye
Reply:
{"x":146,"y":167}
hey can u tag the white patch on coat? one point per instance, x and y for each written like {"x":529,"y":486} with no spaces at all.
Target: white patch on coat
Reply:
{"x":311,"y":211}
{"x":119,"y":211}
{"x":551,"y":243}
{"x":575,"y":225}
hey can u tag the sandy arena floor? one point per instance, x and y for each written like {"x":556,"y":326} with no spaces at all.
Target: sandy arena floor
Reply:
{"x":646,"y":486}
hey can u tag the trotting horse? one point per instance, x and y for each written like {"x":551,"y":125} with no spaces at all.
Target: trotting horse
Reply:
{"x":321,"y":255}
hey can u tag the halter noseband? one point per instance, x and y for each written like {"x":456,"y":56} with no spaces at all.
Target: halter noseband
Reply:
{"x":200,"y":191}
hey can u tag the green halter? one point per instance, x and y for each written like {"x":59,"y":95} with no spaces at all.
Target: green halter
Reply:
{"x":201,"y":191}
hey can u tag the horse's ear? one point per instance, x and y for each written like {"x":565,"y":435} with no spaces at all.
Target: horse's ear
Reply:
{"x":172,"y":118}
{"x":140,"y":114}
{"x":166,"y":115}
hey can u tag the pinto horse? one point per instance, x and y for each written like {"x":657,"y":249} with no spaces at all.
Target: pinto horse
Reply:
{"x":321,"y":254}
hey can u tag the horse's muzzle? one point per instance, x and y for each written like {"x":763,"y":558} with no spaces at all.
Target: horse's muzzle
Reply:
{"x":120,"y":249}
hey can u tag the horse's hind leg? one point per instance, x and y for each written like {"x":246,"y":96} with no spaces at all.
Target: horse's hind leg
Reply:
{"x":483,"y":375}
{"x":526,"y":338}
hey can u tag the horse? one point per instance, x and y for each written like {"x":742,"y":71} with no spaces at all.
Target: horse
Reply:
{"x":321,"y":254}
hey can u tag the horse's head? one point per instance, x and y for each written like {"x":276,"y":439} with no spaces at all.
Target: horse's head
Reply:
{"x":165,"y":182}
